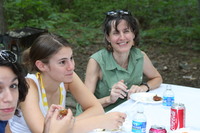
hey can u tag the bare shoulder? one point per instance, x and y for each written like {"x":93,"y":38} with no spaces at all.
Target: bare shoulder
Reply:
{"x":32,"y":96}
{"x":31,"y":83}
{"x":93,"y":70}
{"x":92,"y":62}
{"x":144,"y":53}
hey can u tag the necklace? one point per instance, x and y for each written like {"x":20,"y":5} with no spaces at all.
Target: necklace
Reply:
{"x":44,"y":97}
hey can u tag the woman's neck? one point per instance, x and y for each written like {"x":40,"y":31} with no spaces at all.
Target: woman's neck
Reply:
{"x":52,"y":89}
{"x":49,"y":84}
{"x":121,"y":59}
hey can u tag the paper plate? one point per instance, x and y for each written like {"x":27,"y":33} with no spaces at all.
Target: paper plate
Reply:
{"x":144,"y":97}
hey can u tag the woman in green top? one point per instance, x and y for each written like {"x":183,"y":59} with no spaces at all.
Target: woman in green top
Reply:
{"x":115,"y":72}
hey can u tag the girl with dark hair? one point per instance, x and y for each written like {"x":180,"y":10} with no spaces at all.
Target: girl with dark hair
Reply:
{"x":115,"y":72}
{"x":13,"y":87}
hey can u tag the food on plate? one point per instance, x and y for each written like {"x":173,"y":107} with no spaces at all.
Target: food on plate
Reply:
{"x":63,"y":112}
{"x":157,"y":98}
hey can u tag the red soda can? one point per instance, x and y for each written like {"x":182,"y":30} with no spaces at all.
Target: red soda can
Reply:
{"x":177,"y":119}
{"x":157,"y":129}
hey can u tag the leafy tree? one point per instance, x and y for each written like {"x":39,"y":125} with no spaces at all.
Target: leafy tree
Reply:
{"x":163,"y":22}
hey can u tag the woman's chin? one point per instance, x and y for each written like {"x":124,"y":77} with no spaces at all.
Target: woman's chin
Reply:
{"x":6,"y":117}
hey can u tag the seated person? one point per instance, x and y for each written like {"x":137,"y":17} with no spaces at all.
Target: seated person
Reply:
{"x":51,"y":63}
{"x":115,"y":72}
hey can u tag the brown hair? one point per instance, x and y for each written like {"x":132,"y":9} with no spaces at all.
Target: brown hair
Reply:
{"x":42,"y":49}
{"x":132,"y":22}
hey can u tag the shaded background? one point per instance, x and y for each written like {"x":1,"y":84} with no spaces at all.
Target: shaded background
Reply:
{"x":170,"y":30}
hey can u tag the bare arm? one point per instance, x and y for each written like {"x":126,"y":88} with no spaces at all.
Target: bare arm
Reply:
{"x":31,"y":110}
{"x":93,"y":74}
{"x":109,"y":121}
{"x":154,"y":77}
{"x":85,"y":98}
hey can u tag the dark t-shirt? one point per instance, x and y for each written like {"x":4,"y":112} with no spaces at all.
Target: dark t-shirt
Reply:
{"x":3,"y":126}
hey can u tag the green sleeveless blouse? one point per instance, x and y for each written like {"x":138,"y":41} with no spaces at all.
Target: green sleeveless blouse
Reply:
{"x":112,"y":73}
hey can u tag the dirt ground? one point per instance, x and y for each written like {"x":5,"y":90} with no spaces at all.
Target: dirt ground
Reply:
{"x":176,"y":65}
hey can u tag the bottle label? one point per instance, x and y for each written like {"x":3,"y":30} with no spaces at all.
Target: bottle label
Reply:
{"x":138,"y":127}
{"x":168,"y":101}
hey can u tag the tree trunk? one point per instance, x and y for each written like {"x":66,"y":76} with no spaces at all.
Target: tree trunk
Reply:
{"x":2,"y":18}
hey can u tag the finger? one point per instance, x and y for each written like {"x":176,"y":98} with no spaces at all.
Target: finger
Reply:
{"x":121,"y":82}
{"x":117,"y":94}
{"x":50,"y":112}
{"x":53,"y":107}
{"x":121,"y":96}
{"x":121,"y":92}
{"x":121,"y":86}
{"x":56,"y":115}
{"x":69,"y":114}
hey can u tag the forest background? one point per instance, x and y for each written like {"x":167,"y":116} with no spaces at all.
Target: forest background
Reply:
{"x":170,"y":30}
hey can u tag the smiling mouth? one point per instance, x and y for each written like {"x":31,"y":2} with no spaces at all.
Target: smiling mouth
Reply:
{"x":124,"y":43}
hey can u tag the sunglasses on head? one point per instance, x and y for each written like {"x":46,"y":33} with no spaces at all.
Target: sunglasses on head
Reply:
{"x":117,"y":12}
{"x":8,"y":56}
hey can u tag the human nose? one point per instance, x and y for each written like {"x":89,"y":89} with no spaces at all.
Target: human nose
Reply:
{"x":7,"y":95}
{"x":70,"y":65}
{"x":122,"y":36}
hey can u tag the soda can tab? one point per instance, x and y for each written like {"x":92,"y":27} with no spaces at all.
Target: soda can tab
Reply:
{"x":157,"y":129}
{"x":177,"y":119}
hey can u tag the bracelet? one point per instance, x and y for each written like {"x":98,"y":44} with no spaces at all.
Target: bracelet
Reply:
{"x":146,"y":86}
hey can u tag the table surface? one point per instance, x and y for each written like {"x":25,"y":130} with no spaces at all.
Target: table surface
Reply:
{"x":157,"y":114}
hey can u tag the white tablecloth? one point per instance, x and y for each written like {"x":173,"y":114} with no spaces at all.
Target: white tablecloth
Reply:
{"x":159,"y":114}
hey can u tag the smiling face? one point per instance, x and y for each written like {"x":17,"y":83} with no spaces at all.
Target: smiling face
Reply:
{"x":121,"y":38}
{"x":9,"y":93}
{"x":61,"y":65}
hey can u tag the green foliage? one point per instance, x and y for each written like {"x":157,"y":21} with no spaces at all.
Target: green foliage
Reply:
{"x":163,"y":22}
{"x":20,"y":13}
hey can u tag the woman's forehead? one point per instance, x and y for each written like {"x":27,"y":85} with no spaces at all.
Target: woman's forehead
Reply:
{"x":65,"y":52}
{"x":6,"y":74}
{"x":115,"y":25}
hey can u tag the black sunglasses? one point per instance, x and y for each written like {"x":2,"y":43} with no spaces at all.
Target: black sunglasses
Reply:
{"x":117,"y":12}
{"x":8,"y":56}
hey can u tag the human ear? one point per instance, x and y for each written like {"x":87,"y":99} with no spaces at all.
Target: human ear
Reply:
{"x":40,"y":65}
{"x":108,"y":38}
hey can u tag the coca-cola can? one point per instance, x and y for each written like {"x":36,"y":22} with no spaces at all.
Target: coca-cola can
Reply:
{"x":177,"y":119}
{"x":157,"y":129}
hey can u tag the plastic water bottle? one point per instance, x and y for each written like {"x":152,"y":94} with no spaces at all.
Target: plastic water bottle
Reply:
{"x":168,"y":96}
{"x":139,"y":121}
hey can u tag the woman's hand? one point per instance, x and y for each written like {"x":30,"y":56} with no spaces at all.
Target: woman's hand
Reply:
{"x":136,"y":89}
{"x":113,"y":120}
{"x":55,"y":123}
{"x":119,"y":90}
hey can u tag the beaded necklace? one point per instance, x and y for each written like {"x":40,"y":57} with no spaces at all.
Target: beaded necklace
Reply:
{"x":44,"y":97}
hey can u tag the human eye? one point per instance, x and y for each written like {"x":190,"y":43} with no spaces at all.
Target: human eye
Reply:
{"x":62,"y":62}
{"x":72,"y":58}
{"x":126,"y":30}
{"x":14,"y":86}
{"x":115,"y":33}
